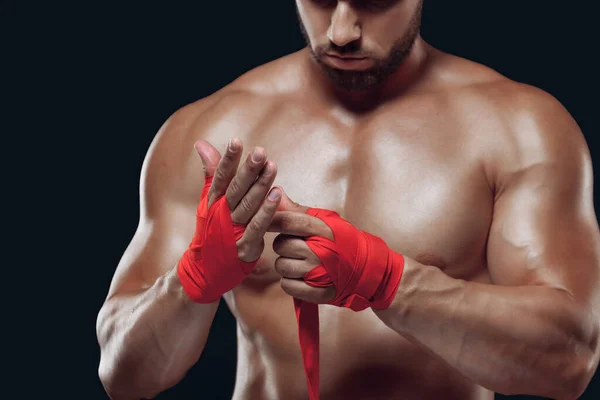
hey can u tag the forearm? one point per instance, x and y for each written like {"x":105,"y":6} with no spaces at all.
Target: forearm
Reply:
{"x":530,"y":340}
{"x":149,"y":339}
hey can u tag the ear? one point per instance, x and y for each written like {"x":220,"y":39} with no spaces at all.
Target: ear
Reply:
{"x":288,"y":204}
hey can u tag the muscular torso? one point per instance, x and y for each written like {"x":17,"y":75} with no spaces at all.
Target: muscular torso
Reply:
{"x":412,"y":172}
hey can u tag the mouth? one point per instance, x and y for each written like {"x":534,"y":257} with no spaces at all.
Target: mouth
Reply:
{"x":345,"y":57}
{"x":351,"y":63}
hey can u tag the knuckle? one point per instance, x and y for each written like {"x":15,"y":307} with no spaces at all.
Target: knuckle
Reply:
{"x":286,"y":222}
{"x":235,"y":218}
{"x":266,"y":212}
{"x":292,"y":221}
{"x":249,"y":250}
{"x":285,"y":285}
{"x":265,"y":179}
{"x":279,"y":267}
{"x":229,"y":156}
{"x":246,"y":204}
{"x":242,"y":247}
{"x":304,"y":223}
{"x":251,"y":167}
{"x":294,"y":270}
{"x":254,"y":227}
{"x":234,"y":186}
{"x":219,"y":176}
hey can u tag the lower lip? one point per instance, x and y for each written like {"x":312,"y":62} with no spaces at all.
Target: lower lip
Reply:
{"x":349,"y":63}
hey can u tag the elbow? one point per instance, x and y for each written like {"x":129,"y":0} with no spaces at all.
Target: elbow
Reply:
{"x":118,"y":387}
{"x":580,"y":360}
{"x":123,"y":373}
{"x":565,"y":385}
{"x":574,"y":386}
{"x":123,"y":382}
{"x":127,"y":376}
{"x":568,"y":379}
{"x":577,"y":373}
{"x":585,"y":361}
{"x":109,"y":382}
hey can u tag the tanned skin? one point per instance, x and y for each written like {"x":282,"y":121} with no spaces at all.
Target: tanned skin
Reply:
{"x":483,"y":184}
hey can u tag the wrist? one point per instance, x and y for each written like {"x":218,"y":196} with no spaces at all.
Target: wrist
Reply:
{"x":175,"y":286}
{"x":399,"y":305}
{"x":418,"y":284}
{"x":176,"y":289}
{"x":393,"y":271}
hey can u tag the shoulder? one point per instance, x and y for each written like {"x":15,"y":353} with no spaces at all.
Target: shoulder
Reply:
{"x":470,"y":83}
{"x":515,"y":126}
{"x":173,"y":166}
{"x":238,"y":107}
{"x":538,"y":133}
{"x":529,"y":132}
{"x":249,"y":97}
{"x":524,"y":109}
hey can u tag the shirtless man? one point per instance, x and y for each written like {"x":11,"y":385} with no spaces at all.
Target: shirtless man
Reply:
{"x":483,"y":186}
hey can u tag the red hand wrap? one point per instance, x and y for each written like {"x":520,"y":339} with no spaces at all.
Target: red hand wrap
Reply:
{"x":211,"y":267}
{"x":364,"y":271}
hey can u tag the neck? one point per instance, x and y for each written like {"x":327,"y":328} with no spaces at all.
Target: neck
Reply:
{"x":404,"y":77}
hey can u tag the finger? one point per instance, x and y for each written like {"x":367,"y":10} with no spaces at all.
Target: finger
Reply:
{"x":209,"y":155}
{"x":291,"y":247}
{"x":300,"y":290}
{"x":245,"y":177}
{"x":292,"y":268}
{"x":225,"y":170}
{"x":299,"y":224}
{"x":288,"y":204}
{"x":257,"y":227}
{"x":255,"y":196}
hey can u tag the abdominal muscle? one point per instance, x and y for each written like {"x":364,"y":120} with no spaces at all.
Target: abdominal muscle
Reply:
{"x":360,"y":357}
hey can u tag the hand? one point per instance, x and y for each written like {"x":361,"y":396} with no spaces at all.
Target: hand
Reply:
{"x":296,"y":258}
{"x":326,"y":251}
{"x":231,"y":220}
{"x":324,"y":259}
{"x":244,"y":193}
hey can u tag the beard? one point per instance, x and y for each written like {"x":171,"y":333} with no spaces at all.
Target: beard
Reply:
{"x":369,"y":79}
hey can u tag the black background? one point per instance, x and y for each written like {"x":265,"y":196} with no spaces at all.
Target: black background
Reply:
{"x":93,"y":82}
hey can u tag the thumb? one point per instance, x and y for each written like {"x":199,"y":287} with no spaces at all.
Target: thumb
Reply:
{"x":288,"y":204}
{"x":209,"y":155}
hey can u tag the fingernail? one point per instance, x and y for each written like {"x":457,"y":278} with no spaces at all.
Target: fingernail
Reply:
{"x":256,"y":156}
{"x":274,"y":194}
{"x":232,"y":145}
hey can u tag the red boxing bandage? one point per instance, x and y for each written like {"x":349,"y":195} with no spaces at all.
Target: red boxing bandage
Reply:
{"x":211,"y":267}
{"x":364,"y":271}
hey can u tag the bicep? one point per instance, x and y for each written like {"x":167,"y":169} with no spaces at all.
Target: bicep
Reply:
{"x":544,"y":229}
{"x":155,"y":248}
{"x":170,"y":185}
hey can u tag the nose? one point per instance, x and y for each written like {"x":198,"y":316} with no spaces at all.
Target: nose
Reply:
{"x":344,"y":26}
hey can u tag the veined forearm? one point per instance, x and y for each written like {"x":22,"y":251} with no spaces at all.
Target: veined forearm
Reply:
{"x":149,"y":339}
{"x":530,"y":340}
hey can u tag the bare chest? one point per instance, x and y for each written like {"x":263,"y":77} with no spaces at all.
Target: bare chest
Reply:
{"x":418,"y":183}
